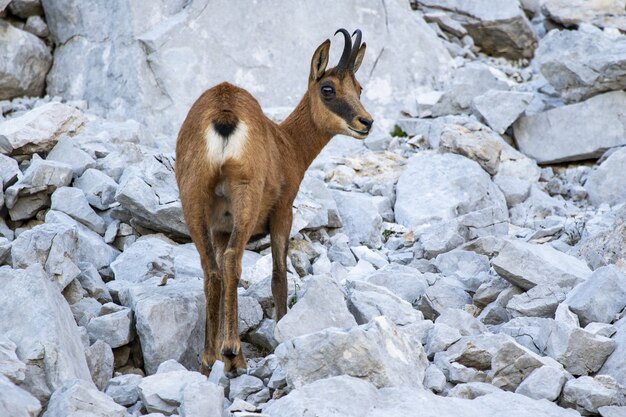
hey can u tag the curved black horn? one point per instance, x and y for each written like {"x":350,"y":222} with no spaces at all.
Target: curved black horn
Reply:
{"x":355,"y":48}
{"x":347,"y":49}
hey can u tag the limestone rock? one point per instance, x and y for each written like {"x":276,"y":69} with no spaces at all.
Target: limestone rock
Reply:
{"x":360,"y":218}
{"x":614,"y":365}
{"x":545,"y":382}
{"x":147,"y":83}
{"x":100,"y":361}
{"x":308,"y":315}
{"x":72,"y":201}
{"x":202,"y":399}
{"x":98,"y":187}
{"x":367,"y":301}
{"x":500,"y":109}
{"x":114,"y":328}
{"x":604,"y":184}
{"x":53,"y":353}
{"x":376,"y":351}
{"x":123,"y":389}
{"x":500,"y":29}
{"x":163,"y":392}
{"x":75,"y":398}
{"x":17,"y":402}
{"x":479,"y":146}
{"x":22,"y":72}
{"x":527,"y":265}
{"x":572,"y":12}
{"x":587,"y":394}
{"x":582,"y":63}
{"x":574,"y":132}
{"x":68,"y":152}
{"x":406,"y":282}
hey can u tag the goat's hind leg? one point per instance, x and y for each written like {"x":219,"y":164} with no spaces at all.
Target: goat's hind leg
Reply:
{"x":244,"y":203}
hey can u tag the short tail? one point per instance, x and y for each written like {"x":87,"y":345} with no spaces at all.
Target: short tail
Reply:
{"x":225,"y":123}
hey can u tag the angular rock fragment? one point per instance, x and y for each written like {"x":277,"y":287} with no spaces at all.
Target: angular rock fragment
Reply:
{"x":360,"y":218}
{"x":80,"y":398}
{"x":376,"y":351}
{"x":16,"y":401}
{"x":527,"y":265}
{"x":367,"y":301}
{"x":163,"y":392}
{"x":574,"y":132}
{"x":72,"y":201}
{"x":500,"y":109}
{"x":605,"y":184}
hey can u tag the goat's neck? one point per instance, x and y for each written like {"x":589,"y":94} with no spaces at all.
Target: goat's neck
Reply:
{"x":306,"y":138}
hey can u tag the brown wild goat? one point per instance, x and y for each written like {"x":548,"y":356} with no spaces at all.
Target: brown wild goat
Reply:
{"x":238,"y":173}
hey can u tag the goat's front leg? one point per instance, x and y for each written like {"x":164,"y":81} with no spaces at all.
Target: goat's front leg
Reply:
{"x":244,"y":207}
{"x":280,"y":227}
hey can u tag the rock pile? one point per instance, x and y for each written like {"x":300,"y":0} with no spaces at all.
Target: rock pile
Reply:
{"x":441,"y":265}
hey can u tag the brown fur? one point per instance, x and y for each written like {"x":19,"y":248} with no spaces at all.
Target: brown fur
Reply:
{"x":224,"y":205}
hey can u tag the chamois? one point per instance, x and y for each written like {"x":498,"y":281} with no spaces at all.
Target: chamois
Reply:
{"x":238,"y":173}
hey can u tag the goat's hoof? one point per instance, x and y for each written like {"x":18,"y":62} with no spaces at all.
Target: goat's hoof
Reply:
{"x":230,"y":349}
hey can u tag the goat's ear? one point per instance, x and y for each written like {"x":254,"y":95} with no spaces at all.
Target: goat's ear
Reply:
{"x":319,"y":61}
{"x":359,"y":58}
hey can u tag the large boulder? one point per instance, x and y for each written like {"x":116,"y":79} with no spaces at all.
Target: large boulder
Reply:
{"x":39,"y":129}
{"x":160,"y":58}
{"x":452,"y":190}
{"x":48,"y":341}
{"x":17,"y":402}
{"x":25,"y":62}
{"x":580,"y":64}
{"x":527,"y":265}
{"x":576,"y":132}
{"x":606,"y":184}
{"x":498,"y":27}
{"x":570,"y":13}
{"x":376,"y":351}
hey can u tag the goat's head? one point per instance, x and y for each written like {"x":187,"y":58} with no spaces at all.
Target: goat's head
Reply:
{"x":335,"y":93}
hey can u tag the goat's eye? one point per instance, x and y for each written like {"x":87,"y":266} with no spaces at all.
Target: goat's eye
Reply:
{"x":328,"y":91}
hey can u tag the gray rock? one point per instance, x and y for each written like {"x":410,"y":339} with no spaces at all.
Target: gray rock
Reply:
{"x":10,"y":171}
{"x":149,"y":193}
{"x":406,"y":282}
{"x":500,"y":29}
{"x":574,"y":132}
{"x":243,"y":386}
{"x":473,"y":390}
{"x":500,"y":109}
{"x":100,"y":361}
{"x":114,"y":328}
{"x":23,"y":72}
{"x":314,"y":207}
{"x":308,"y":315}
{"x":376,"y":351}
{"x":604,"y":184}
{"x":365,"y":253}
{"x":612,"y":411}
{"x":367,"y":301}
{"x":91,"y":281}
{"x":163,"y":393}
{"x":600,"y":298}
{"x":615,"y":365}
{"x":263,"y":335}
{"x":464,"y":265}
{"x":418,"y":331}
{"x":72,"y":201}
{"x":169,"y":320}
{"x":37,"y":26}
{"x":40,"y":177}
{"x":443,"y":294}
{"x":202,"y":400}
{"x":581,"y":352}
{"x":53,"y":247}
{"x":434,"y":379}
{"x":10,"y":365}
{"x":465,"y":323}
{"x":339,"y":395}
{"x":543,"y":383}
{"x":157,"y":90}
{"x":526,"y":265}
{"x":340,"y":250}
{"x":150,"y":256}
{"x":76,"y":398}
{"x":606,"y":246}
{"x":531,"y":332}
{"x":98,"y":187}
{"x":540,"y":301}
{"x":353,"y":397}
{"x":571,"y":13}
{"x":123,"y":389}
{"x":481,"y":146}
{"x":91,"y":247}
{"x":587,"y":394}
{"x":250,"y":314}
{"x":25,"y":8}
{"x":17,"y":402}
{"x":425,"y":196}
{"x":68,"y":152}
{"x":582,"y":64}
{"x":440,"y":338}
{"x":360,"y":218}
{"x":515,"y":190}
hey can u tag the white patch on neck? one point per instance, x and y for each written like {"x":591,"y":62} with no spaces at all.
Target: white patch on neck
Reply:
{"x":219,"y":149}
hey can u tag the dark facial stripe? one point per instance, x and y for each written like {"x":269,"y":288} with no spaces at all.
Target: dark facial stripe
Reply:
{"x":341,"y":108}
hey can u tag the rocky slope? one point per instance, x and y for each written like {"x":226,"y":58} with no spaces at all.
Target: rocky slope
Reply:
{"x":467,"y":259}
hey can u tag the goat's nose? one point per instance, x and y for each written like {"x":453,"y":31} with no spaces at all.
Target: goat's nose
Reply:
{"x":366,"y":122}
